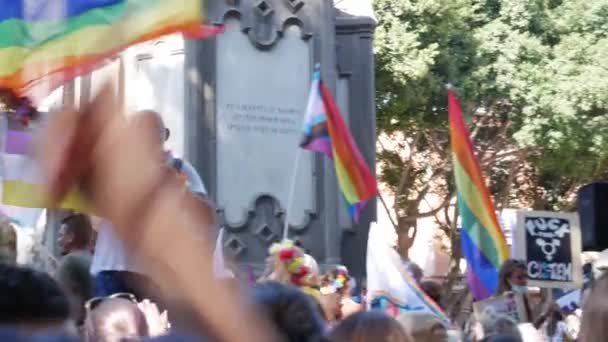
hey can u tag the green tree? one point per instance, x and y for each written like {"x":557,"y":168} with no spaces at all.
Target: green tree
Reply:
{"x":533,"y":84}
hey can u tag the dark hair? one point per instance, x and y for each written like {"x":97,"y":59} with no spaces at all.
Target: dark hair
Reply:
{"x":432,"y":289}
{"x":506,"y":270}
{"x":369,"y":326}
{"x":80,"y":226}
{"x":28,"y":296}
{"x":294,"y":313}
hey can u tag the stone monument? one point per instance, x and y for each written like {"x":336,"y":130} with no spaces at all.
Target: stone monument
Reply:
{"x":235,"y":107}
{"x":246,"y":94}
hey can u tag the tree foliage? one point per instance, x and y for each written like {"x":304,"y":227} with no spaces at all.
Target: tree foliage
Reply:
{"x":533,"y":81}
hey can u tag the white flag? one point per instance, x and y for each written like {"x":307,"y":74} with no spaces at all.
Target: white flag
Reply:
{"x":219,"y":267}
{"x":389,"y":286}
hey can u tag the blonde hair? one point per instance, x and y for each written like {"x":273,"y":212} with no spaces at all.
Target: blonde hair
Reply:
{"x":419,"y":324}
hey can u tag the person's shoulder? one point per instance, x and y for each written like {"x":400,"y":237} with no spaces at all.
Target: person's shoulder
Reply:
{"x":195,"y":182}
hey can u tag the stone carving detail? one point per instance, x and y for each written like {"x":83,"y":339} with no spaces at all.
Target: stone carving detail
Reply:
{"x":234,"y":245}
{"x":266,"y":234}
{"x":264,"y":8}
{"x":264,"y":20}
{"x":267,"y":219}
{"x":295,"y":5}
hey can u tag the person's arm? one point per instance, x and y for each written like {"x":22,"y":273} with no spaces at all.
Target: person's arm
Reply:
{"x":116,"y":162}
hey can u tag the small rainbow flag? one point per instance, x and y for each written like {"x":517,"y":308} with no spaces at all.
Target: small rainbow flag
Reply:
{"x":483,"y":243}
{"x":325,"y":131}
{"x":55,"y":41}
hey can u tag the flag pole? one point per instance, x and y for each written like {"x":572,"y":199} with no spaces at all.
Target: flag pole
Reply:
{"x":292,"y":191}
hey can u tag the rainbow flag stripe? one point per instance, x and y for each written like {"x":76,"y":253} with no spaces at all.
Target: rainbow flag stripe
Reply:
{"x":483,"y":243}
{"x":325,"y":131}
{"x":22,"y":182}
{"x":60,"y":40}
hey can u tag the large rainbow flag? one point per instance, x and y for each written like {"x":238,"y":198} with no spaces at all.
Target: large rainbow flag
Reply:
{"x":325,"y":131}
{"x":56,"y":40}
{"x":483,"y":243}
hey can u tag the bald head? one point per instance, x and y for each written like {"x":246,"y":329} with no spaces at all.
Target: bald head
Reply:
{"x":115,"y":319}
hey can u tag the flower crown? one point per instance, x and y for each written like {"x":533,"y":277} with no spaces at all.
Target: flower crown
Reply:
{"x":293,"y":258}
{"x":336,"y":280}
{"x":20,"y":108}
{"x":341,"y":277}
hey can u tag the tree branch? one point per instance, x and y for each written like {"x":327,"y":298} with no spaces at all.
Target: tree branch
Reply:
{"x":406,"y":172}
{"x":388,"y":211}
{"x":431,"y":212}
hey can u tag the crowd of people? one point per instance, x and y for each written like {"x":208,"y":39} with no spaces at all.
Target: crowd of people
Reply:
{"x":146,"y":271}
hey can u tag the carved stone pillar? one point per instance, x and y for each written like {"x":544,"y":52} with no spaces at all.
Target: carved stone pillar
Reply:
{"x":356,"y":91}
{"x":246,"y":94}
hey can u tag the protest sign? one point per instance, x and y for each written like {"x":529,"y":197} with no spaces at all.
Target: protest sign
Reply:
{"x":570,"y":300}
{"x":550,"y":244}
{"x":496,"y":306}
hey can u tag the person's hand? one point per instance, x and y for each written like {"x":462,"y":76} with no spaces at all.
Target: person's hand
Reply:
{"x":349,"y":307}
{"x":117,"y":162}
{"x":108,"y":155}
{"x":158,"y":323}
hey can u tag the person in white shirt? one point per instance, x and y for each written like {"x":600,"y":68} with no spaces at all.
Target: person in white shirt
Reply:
{"x":114,"y":268}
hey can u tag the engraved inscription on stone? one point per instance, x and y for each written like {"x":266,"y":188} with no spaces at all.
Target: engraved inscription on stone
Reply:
{"x":262,"y":119}
{"x":261,"y":100}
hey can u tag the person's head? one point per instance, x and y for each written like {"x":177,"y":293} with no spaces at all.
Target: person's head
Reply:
{"x":294,"y":313}
{"x":415,"y":271}
{"x":595,"y":312}
{"x":31,"y":300}
{"x":423,"y":326}
{"x":74,"y":234}
{"x":433,"y":290}
{"x":338,"y":280}
{"x":8,"y":243}
{"x":499,"y":325}
{"x":513,"y":277}
{"x":369,"y":326}
{"x":115,"y":319}
{"x":292,"y":266}
{"x":74,"y":277}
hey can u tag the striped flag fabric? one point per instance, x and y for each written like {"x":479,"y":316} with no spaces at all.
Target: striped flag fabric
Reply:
{"x":22,"y":181}
{"x":483,"y":243}
{"x":325,"y":131}
{"x":390,"y":287}
{"x":55,"y":41}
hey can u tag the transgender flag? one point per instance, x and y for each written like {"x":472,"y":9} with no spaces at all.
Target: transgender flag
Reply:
{"x":22,"y":182}
{"x":390,"y":288}
{"x":325,"y":131}
{"x":483,"y":243}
